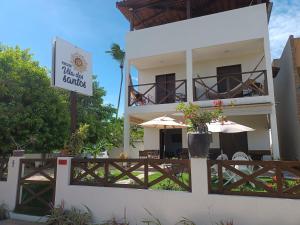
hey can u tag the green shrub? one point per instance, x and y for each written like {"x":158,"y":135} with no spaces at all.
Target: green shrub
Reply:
{"x":60,"y":216}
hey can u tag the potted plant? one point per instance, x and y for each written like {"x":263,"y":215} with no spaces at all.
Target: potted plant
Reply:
{"x":199,"y":138}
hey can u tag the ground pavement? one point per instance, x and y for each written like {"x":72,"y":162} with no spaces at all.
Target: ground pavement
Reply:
{"x":18,"y":222}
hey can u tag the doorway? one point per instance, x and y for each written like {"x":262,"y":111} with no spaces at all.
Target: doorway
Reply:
{"x":229,"y":77}
{"x":165,"y":88}
{"x":232,"y":143}
{"x":172,"y":140}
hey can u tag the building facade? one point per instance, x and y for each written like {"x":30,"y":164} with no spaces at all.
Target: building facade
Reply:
{"x":222,"y":53}
{"x":287,"y":95}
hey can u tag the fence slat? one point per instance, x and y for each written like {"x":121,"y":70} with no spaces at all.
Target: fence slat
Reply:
{"x":131,"y":173}
{"x":279,"y":179}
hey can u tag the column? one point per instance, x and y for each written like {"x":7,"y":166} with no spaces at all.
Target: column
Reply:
{"x":268,"y":61}
{"x":63,"y":175}
{"x":274,"y":134}
{"x":10,"y":187}
{"x":126,"y":134}
{"x":189,"y":75}
{"x":126,"y":115}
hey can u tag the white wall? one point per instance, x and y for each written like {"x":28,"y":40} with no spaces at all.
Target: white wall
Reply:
{"x":171,"y":206}
{"x":260,"y":138}
{"x":225,"y":27}
{"x":8,"y":189}
{"x":285,"y":94}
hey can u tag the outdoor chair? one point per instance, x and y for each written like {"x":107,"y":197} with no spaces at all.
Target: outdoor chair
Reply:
{"x":143,"y":155}
{"x":214,"y":168}
{"x":246,"y":169}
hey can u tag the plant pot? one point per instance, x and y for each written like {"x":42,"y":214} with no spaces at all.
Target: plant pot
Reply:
{"x":199,"y":144}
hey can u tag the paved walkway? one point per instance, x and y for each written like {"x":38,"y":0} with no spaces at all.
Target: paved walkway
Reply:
{"x":18,"y":222}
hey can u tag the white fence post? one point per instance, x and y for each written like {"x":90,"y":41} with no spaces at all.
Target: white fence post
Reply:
{"x":8,"y":189}
{"x":199,"y":176}
{"x":63,"y":174}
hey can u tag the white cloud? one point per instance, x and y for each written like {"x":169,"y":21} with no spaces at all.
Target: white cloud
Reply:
{"x":285,"y":21}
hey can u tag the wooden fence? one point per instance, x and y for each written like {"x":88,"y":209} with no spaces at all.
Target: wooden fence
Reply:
{"x":132,"y":173}
{"x":36,"y":186}
{"x":3,"y":169}
{"x":280,"y":179}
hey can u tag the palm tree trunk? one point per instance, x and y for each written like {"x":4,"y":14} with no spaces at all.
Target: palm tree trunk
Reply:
{"x":120,"y":91}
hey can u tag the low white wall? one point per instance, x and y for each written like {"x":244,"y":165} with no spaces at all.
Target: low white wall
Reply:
{"x":170,"y":206}
{"x":8,"y":189}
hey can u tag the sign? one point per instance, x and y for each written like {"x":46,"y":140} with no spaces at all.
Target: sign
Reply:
{"x":62,"y":162}
{"x":71,"y":68}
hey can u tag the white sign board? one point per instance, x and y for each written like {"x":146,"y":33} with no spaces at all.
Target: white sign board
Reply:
{"x":71,"y":68}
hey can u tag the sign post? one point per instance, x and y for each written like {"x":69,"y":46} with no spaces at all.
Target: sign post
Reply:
{"x":73,"y":111}
{"x":72,"y":70}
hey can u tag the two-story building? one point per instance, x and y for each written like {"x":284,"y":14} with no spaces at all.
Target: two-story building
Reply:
{"x":200,"y":51}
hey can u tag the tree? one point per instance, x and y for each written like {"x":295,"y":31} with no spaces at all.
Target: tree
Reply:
{"x":36,"y":116}
{"x":32,"y":113}
{"x":99,"y":117}
{"x":119,"y":55}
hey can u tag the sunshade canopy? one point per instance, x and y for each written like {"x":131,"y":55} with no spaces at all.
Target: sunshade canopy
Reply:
{"x":227,"y":127}
{"x":163,"y":123}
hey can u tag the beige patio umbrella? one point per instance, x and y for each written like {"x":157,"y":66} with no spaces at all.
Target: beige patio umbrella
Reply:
{"x":163,"y":123}
{"x":227,"y":127}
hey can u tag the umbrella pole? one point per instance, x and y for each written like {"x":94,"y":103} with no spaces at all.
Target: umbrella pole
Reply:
{"x":165,"y":131}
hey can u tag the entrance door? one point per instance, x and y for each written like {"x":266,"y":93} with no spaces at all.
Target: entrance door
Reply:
{"x":231,"y":77}
{"x":232,"y":143}
{"x":172,"y":138}
{"x":165,"y":88}
{"x":36,"y":186}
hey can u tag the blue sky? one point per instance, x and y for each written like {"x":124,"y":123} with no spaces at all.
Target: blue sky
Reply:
{"x":95,"y":24}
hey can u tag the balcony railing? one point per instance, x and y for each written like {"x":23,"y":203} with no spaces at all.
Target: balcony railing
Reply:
{"x":231,"y":86}
{"x":157,"y":93}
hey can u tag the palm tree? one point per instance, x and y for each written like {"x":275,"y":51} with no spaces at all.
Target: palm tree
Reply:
{"x":119,"y":55}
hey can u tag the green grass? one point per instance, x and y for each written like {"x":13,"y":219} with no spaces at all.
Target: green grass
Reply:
{"x":168,"y":184}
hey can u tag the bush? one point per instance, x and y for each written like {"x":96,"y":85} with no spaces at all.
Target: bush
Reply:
{"x":60,"y":216}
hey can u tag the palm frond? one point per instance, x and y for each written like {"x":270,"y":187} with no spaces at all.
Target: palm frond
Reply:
{"x":117,"y":53}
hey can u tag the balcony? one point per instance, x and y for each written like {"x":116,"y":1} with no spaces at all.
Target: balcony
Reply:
{"x":157,"y":93}
{"x":235,"y":85}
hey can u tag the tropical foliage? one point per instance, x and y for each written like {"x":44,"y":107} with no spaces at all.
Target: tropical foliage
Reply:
{"x":61,"y":216}
{"x":118,"y":55}
{"x":197,"y":118}
{"x":31,"y":112}
{"x":35,"y":116}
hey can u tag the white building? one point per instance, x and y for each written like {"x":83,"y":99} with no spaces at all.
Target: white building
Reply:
{"x":287,"y":95}
{"x":199,"y":51}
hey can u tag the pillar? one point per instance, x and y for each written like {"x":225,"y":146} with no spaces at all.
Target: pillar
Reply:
{"x":126,"y":114}
{"x":189,"y":75}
